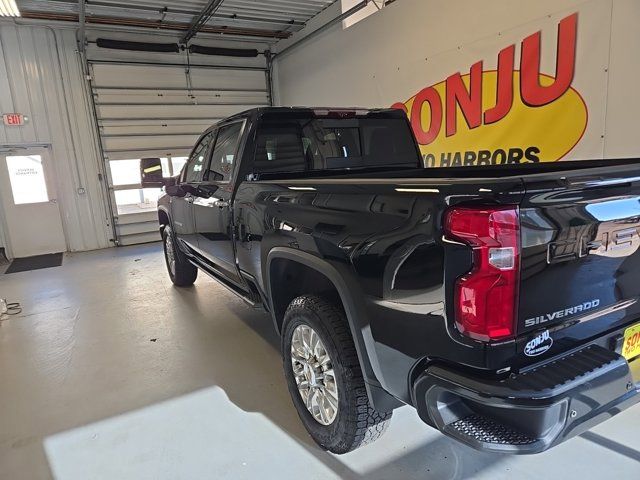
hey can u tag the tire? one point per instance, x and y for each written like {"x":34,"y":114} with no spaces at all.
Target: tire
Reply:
{"x":182,"y":272}
{"x":356,"y":422}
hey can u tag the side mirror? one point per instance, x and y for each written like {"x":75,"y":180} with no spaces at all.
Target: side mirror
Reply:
{"x":151,"y":173}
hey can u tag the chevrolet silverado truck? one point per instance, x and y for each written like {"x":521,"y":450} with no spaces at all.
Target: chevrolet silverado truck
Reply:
{"x":502,"y":302}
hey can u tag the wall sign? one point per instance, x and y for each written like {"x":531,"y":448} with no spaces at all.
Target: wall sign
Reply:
{"x":515,"y":112}
{"x":14,"y":119}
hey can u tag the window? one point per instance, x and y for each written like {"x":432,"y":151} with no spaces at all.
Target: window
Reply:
{"x":373,"y":7}
{"x":26,"y":175}
{"x":137,"y":200}
{"x":126,"y":173}
{"x":281,"y":148}
{"x":337,"y":143}
{"x":325,"y":143}
{"x":225,"y":151}
{"x":192,"y":172}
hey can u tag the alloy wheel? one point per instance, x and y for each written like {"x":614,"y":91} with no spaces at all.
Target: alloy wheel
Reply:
{"x":171,"y":255}
{"x":314,"y":375}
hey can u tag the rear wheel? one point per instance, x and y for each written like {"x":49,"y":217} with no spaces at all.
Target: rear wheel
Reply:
{"x":324,"y":377}
{"x":181,"y":271}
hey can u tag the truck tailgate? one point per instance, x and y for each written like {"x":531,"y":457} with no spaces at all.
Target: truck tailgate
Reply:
{"x":580,"y":262}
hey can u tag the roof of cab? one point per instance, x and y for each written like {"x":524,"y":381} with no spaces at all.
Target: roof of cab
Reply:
{"x":319,"y":111}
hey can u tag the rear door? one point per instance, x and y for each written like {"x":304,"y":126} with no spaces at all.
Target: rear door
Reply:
{"x":580,"y":264}
{"x":212,"y":205}
{"x":190,"y":178}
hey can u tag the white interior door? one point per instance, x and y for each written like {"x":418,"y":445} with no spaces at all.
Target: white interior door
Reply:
{"x":31,"y":211}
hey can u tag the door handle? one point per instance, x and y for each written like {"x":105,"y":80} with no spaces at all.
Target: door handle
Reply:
{"x":221,"y":203}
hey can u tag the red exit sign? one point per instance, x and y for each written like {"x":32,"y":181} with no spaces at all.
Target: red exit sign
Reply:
{"x":13,"y":119}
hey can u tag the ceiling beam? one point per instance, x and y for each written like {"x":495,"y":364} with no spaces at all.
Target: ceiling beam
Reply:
{"x":201,"y":19}
{"x":102,"y":8}
{"x":123,"y":22}
{"x":343,"y":16}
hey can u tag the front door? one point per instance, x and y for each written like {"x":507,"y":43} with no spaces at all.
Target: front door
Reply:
{"x":212,"y":207}
{"x":190,"y":178}
{"x":31,"y":210}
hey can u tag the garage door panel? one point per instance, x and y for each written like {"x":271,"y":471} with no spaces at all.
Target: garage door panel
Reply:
{"x":171,"y":111}
{"x":183,"y":99}
{"x":162,"y":142}
{"x":173,"y":150}
{"x":210,"y":79}
{"x":175,"y":77}
{"x":136,"y":239}
{"x":138,"y":228}
{"x":141,"y":130}
{"x":156,"y":122}
{"x":151,"y":96}
{"x":109,"y":56}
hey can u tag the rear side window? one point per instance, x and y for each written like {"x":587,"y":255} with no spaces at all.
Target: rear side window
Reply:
{"x":323,"y":143}
{"x":224,"y":154}
{"x":280,"y":148}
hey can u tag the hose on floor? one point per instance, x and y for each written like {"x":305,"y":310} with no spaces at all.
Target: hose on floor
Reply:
{"x":9,"y":308}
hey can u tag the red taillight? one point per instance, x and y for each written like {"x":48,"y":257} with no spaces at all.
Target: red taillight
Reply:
{"x":486,"y":298}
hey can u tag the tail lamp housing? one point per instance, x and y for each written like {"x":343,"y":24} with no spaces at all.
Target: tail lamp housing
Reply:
{"x":486,"y":297}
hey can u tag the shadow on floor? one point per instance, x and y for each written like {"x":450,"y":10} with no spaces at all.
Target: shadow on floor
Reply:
{"x":612,"y":445}
{"x":440,"y":458}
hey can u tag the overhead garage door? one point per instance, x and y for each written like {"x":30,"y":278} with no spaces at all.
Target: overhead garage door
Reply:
{"x":159,"y":110}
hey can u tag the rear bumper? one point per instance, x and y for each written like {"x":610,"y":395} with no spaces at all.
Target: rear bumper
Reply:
{"x":532,"y":411}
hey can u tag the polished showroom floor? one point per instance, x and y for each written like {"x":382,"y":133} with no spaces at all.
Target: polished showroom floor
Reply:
{"x":111,"y":373}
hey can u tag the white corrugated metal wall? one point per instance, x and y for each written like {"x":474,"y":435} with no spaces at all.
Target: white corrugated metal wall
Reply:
{"x":40,"y":77}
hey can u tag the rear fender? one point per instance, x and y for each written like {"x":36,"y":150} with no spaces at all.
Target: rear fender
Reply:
{"x":358,"y":326}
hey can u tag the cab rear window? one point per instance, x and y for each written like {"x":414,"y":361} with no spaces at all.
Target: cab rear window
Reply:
{"x":311,"y":144}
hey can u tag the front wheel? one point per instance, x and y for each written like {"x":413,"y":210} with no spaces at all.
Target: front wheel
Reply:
{"x":181,"y":271}
{"x":324,"y":377}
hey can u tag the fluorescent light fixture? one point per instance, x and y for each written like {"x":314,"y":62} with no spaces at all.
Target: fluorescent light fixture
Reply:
{"x":8,"y":8}
{"x":304,"y":189}
{"x":417,"y":190}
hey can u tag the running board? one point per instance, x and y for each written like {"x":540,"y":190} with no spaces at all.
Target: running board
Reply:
{"x":248,"y":297}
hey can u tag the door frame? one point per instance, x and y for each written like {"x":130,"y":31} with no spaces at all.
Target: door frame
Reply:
{"x":52,"y":182}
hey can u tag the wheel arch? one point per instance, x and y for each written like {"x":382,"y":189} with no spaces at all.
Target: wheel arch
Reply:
{"x":164,"y":218}
{"x":325,"y":275}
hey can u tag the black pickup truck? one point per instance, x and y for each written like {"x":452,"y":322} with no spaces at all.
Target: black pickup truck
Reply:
{"x":502,"y":302}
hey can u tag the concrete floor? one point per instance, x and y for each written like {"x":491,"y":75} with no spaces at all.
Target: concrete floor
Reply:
{"x":111,"y":373}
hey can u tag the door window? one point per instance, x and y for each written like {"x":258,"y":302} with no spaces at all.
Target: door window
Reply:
{"x":224,"y":153}
{"x":195,"y":166}
{"x":26,"y":175}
